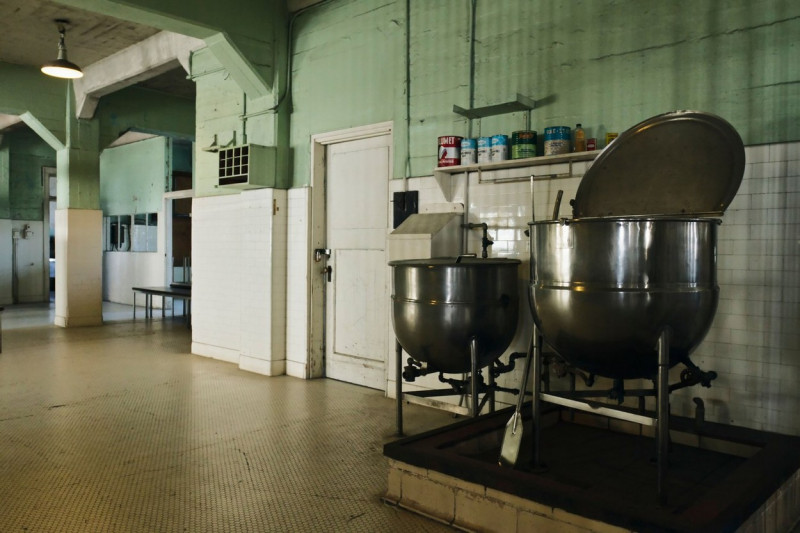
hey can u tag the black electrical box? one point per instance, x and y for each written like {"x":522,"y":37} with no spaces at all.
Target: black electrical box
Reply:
{"x":405,"y":204}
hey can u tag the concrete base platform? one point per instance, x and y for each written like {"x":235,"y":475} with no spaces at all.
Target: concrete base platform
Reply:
{"x":600,"y":476}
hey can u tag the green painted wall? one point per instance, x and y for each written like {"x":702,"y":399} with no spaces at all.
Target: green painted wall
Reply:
{"x":348,"y":70}
{"x":607,"y":64}
{"x":25,"y":89}
{"x":28,"y":154}
{"x":5,"y":158}
{"x":182,"y":156}
{"x":133,"y":177}
{"x":226,"y":116}
{"x":144,"y":110}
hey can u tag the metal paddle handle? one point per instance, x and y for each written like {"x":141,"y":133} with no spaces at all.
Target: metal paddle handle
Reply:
{"x":524,"y":384}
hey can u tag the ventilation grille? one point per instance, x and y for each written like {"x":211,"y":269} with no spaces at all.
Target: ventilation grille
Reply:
{"x":247,"y":166}
{"x":234,"y":165}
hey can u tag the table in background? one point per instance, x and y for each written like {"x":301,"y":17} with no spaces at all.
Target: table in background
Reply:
{"x":176,"y":292}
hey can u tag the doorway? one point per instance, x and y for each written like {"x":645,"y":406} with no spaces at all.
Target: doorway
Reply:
{"x":49,"y":251}
{"x":350,"y":320}
{"x":180,"y":228}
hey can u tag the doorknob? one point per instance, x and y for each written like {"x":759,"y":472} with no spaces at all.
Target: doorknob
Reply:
{"x":319,"y":253}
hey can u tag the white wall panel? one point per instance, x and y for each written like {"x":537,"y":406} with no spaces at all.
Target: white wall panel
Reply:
{"x":297,"y":282}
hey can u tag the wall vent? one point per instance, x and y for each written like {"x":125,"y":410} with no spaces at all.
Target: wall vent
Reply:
{"x":248,"y":166}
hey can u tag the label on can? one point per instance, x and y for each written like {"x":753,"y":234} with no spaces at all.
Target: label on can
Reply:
{"x":484,"y":149}
{"x":449,"y":151}
{"x":557,"y":140}
{"x":469,"y":151}
{"x":523,"y":144}
{"x":499,"y":147}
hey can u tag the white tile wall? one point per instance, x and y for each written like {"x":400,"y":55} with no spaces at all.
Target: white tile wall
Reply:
{"x":754,"y":343}
{"x":297,"y":282}
{"x":5,"y":261}
{"x":278,"y":263}
{"x":263,"y":244}
{"x":216,"y":257}
{"x":124,"y":270}
{"x":239,"y":281}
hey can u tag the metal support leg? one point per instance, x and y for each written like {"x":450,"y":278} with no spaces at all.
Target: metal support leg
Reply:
{"x":662,"y":413}
{"x":491,"y":391}
{"x":399,"y":386}
{"x":473,"y":353}
{"x":536,"y":389}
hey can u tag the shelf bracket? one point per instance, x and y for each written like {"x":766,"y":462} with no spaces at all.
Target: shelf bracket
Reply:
{"x":522,"y":103}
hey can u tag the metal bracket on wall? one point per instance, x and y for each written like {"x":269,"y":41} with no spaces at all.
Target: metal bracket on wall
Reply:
{"x":522,"y":103}
{"x":549,"y":167}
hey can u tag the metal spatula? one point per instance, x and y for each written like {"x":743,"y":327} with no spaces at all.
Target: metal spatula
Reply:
{"x":509,"y":450}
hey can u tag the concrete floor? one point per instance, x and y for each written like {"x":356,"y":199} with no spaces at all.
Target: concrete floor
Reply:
{"x":120,"y":428}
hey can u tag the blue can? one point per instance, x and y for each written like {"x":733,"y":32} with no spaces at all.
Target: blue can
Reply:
{"x":469,"y":151}
{"x":499,"y":147}
{"x":557,"y":140}
{"x":484,"y":149}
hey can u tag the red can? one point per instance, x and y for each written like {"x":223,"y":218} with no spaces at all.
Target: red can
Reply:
{"x":449,"y":151}
{"x":591,"y":144}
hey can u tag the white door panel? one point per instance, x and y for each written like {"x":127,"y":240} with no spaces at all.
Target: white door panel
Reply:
{"x":359,"y":312}
{"x":357,"y":309}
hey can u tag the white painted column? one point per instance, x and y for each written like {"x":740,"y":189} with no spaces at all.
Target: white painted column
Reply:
{"x":263,"y":282}
{"x":79,"y":283}
{"x":239,"y":279}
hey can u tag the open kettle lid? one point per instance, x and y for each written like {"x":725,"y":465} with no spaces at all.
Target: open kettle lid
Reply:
{"x":677,"y":163}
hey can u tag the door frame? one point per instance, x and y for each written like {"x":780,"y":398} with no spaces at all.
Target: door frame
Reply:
{"x":167,"y":210}
{"x":318,"y":232}
{"x":47,"y":173}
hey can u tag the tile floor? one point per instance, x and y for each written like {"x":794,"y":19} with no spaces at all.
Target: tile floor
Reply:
{"x":119,"y":428}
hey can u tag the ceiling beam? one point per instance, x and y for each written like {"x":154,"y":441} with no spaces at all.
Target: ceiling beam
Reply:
{"x":6,"y":121}
{"x":242,"y":38}
{"x":147,"y":59}
{"x":42,"y":131}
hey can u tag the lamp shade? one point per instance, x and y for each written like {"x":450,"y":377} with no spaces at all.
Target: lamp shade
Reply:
{"x":62,"y":67}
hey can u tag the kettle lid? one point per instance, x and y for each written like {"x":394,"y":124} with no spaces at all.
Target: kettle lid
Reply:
{"x":677,"y":163}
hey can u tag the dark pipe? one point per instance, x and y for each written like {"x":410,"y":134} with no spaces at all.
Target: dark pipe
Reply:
{"x":399,"y":386}
{"x":662,"y":414}
{"x":557,"y":205}
{"x":485,"y":241}
{"x":699,"y":414}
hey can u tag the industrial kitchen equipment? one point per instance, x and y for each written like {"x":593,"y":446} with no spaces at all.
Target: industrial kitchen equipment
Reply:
{"x":454,"y":315}
{"x":628,"y":287}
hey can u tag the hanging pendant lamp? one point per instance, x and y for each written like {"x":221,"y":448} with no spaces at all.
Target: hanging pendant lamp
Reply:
{"x":62,"y":67}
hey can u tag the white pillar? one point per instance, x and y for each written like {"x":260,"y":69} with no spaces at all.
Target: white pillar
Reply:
{"x":79,"y":274}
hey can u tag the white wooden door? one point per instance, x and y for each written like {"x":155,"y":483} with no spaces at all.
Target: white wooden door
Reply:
{"x":357,"y":303}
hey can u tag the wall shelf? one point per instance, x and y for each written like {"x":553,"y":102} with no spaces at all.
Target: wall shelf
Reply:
{"x":556,"y":166}
{"x":522,"y":103}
